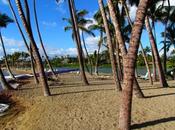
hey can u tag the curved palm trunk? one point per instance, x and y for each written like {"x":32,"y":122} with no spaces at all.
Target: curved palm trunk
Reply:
{"x":122,"y":45}
{"x":162,"y":79}
{"x":40,"y":38}
{"x":111,"y":48}
{"x":5,"y":57}
{"x":5,"y":85}
{"x":89,"y":59}
{"x":78,"y":40}
{"x":154,"y":66}
{"x":146,"y":63}
{"x":143,"y":53}
{"x":129,"y":67}
{"x":36,"y":54}
{"x":25,"y":42}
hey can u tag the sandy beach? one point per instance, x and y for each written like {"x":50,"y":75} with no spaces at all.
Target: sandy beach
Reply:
{"x":74,"y":106}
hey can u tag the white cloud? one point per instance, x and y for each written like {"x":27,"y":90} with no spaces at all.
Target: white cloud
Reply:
{"x":4,"y":2}
{"x":11,"y":42}
{"x":50,"y":24}
{"x":133,"y":10}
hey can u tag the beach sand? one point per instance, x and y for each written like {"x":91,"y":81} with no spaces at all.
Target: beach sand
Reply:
{"x":74,"y":106}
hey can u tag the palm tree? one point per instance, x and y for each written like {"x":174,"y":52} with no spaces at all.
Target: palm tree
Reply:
{"x":25,"y":42}
{"x":77,"y":39}
{"x":162,"y":78}
{"x":129,"y":67}
{"x":141,"y":46}
{"x":4,"y":21}
{"x":40,"y":38}
{"x":37,"y":56}
{"x":82,"y":22}
{"x":97,"y":26}
{"x":120,"y":40}
{"x":109,"y":42}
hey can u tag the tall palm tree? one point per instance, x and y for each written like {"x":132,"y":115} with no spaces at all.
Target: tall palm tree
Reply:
{"x":77,"y":39}
{"x":129,"y":66}
{"x":37,"y":56}
{"x":4,"y":21}
{"x":109,"y":42}
{"x":40,"y":38}
{"x":141,"y":46}
{"x":25,"y":42}
{"x":162,"y":78}
{"x":120,"y":40}
{"x":82,"y":22}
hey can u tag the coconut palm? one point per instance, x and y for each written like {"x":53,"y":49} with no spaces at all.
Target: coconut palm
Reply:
{"x":129,"y":67}
{"x":109,"y":42}
{"x":4,"y":21}
{"x":82,"y":22}
{"x":37,"y":56}
{"x":25,"y":42}
{"x":77,"y":39}
{"x":40,"y":38}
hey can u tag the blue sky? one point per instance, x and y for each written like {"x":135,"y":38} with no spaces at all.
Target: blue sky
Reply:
{"x":57,"y":42}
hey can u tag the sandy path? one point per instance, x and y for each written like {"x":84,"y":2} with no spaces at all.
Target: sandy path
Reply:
{"x":95,"y":107}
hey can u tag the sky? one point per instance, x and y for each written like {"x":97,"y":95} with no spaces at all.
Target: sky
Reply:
{"x":56,"y":40}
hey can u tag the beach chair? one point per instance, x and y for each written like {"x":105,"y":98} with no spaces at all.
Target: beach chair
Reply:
{"x":145,"y":77}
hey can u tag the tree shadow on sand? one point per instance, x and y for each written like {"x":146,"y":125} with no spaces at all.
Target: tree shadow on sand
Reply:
{"x":83,"y":91}
{"x":160,"y":95}
{"x":151,"y":123}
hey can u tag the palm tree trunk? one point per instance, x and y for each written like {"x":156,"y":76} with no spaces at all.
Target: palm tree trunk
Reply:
{"x":78,"y":41}
{"x":154,"y":66}
{"x":40,"y":38}
{"x":147,"y":65}
{"x":33,"y":66}
{"x":119,"y":68}
{"x":25,"y":42}
{"x":98,"y":53}
{"x":162,"y":79}
{"x":120,"y":40}
{"x":5,"y":85}
{"x":109,"y":42}
{"x":5,"y":57}
{"x":36,"y":54}
{"x":89,"y":59}
{"x":143,"y":53}
{"x":129,"y":67}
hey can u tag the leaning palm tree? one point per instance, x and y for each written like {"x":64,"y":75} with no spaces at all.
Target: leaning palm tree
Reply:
{"x":25,"y":42}
{"x":4,"y":21}
{"x":37,"y":56}
{"x":129,"y":66}
{"x":77,"y":39}
{"x":111,"y":47}
{"x":40,"y":38}
{"x":82,"y":22}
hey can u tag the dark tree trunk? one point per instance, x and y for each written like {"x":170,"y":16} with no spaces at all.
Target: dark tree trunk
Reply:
{"x":111,"y":48}
{"x":78,"y":41}
{"x":36,"y":54}
{"x":41,"y":40}
{"x":5,"y":57}
{"x":162,"y":79}
{"x":25,"y":42}
{"x":87,"y":54}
